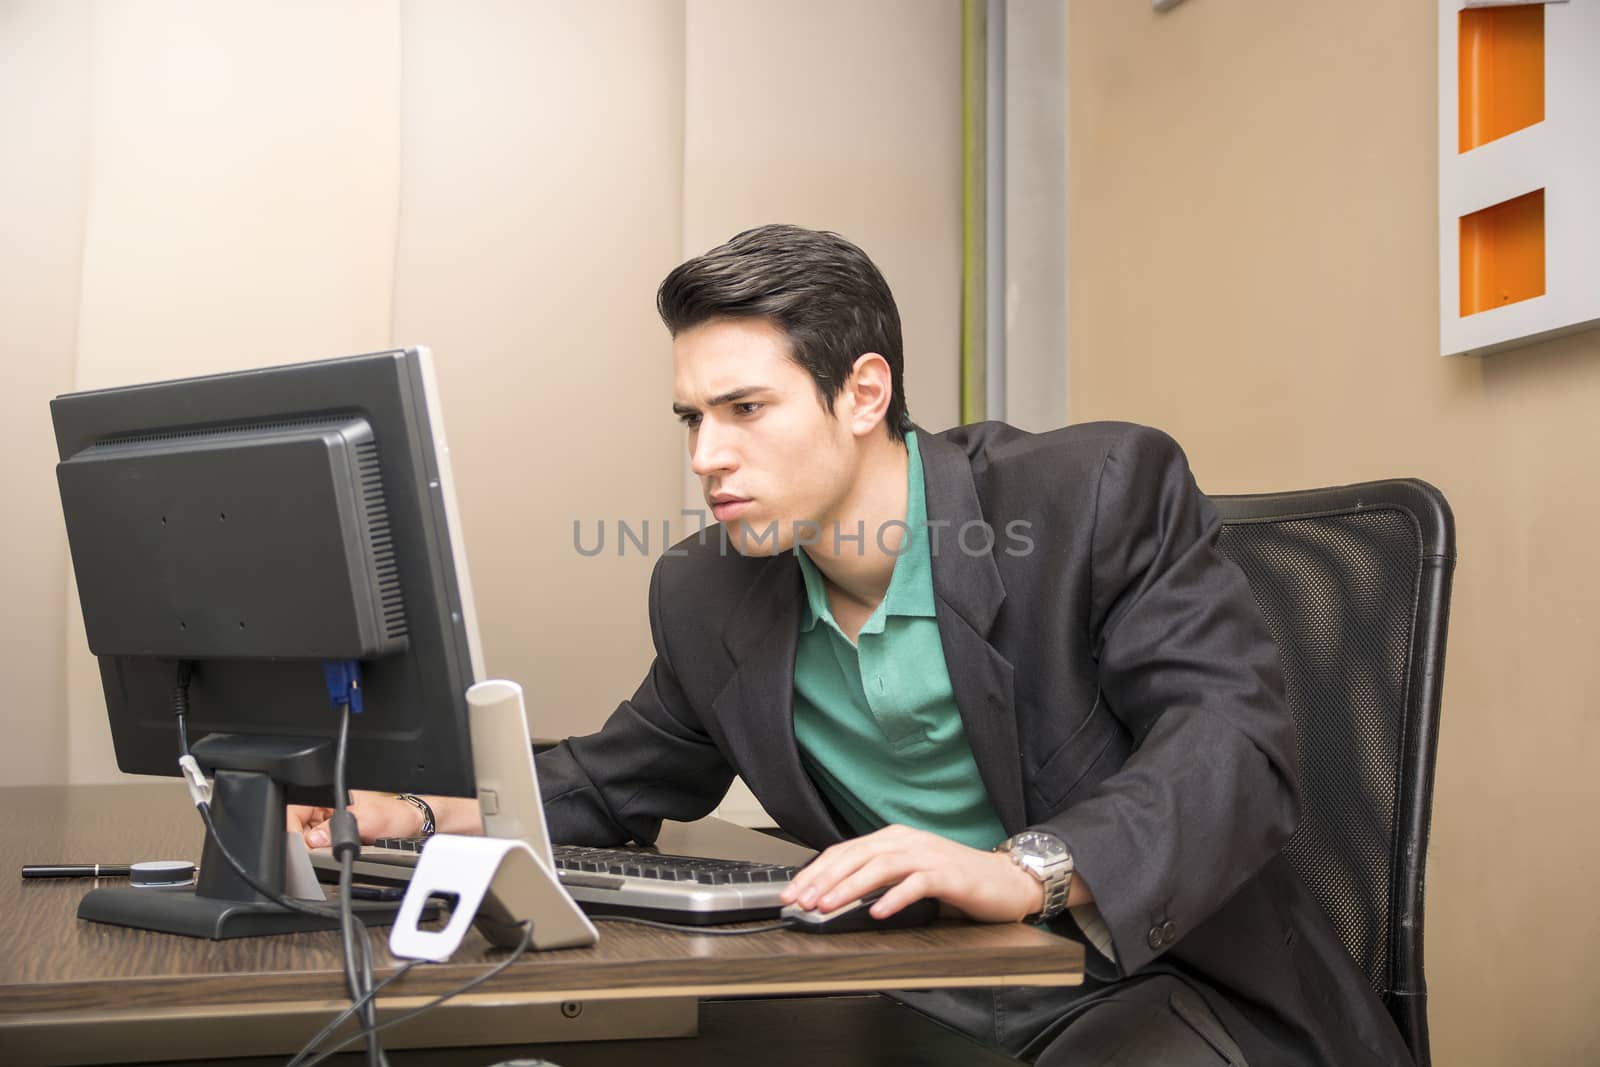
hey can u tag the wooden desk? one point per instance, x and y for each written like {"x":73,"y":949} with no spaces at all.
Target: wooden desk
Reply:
{"x":75,"y":991}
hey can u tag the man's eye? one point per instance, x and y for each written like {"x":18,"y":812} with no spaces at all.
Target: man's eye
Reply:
{"x":691,"y":421}
{"x":748,"y":407}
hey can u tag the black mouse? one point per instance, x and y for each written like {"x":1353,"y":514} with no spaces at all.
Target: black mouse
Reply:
{"x":856,"y":916}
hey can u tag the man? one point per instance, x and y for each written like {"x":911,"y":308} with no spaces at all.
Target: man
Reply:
{"x":1005,"y":670}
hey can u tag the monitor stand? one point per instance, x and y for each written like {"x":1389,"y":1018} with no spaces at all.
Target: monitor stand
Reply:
{"x":248,"y":807}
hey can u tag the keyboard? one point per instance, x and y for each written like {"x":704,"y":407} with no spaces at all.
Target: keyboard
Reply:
{"x":644,"y":883}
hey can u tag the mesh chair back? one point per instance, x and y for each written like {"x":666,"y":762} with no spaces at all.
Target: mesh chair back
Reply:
{"x":1354,"y":583}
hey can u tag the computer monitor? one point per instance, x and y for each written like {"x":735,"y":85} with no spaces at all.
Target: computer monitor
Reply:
{"x":257,"y":526}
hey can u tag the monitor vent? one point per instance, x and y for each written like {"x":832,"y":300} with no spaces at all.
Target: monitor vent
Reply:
{"x":220,"y":431}
{"x":381,"y":541}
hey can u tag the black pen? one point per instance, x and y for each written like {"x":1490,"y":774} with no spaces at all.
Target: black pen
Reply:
{"x":76,"y":870}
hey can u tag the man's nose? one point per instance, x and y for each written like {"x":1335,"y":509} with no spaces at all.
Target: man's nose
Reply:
{"x":712,"y":451}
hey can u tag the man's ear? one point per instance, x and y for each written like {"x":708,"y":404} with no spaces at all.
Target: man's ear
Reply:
{"x":867,"y":393}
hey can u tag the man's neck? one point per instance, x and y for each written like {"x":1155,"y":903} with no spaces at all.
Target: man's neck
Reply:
{"x":859,"y":570}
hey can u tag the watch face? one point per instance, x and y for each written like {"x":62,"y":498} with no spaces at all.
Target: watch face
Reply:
{"x":1035,"y":845}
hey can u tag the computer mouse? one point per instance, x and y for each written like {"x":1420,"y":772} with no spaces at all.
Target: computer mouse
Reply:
{"x":857,"y":915}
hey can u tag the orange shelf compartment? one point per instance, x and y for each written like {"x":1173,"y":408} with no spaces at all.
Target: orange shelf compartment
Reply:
{"x":1500,"y":69}
{"x":1502,"y":254}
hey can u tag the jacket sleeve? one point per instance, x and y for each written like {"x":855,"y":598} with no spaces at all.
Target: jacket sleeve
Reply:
{"x":651,"y":760}
{"x":1209,"y":794}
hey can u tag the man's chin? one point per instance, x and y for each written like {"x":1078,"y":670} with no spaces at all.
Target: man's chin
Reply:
{"x":755,"y":539}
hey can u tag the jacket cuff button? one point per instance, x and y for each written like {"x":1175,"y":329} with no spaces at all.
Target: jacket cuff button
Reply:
{"x":1157,"y":937}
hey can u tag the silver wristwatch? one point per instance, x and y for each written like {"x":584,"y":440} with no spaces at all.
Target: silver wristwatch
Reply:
{"x":422,"y":806}
{"x":1046,"y":858}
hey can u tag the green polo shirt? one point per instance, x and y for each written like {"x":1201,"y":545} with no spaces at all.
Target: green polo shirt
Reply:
{"x":876,"y":720}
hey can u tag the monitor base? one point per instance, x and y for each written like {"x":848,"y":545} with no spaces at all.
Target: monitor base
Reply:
{"x":182,"y":911}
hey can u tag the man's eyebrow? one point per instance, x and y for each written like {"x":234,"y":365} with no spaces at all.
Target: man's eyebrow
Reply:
{"x":732,"y":396}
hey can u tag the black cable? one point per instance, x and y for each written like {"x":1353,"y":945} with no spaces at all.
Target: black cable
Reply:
{"x":353,"y":977}
{"x":357,"y":978}
{"x":359,"y":981}
{"x":310,"y":1047}
{"x":347,"y":940}
{"x":516,"y":954}
{"x":180,"y":703}
{"x":685,"y":928}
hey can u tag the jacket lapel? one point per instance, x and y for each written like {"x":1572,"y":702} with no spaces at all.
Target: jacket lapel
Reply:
{"x":756,"y":707}
{"x":968,"y":593}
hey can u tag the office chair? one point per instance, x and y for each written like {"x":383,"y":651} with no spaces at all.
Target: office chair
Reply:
{"x":1354,"y":582}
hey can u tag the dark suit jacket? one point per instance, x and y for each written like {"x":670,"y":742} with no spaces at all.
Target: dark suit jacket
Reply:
{"x":1117,"y":686}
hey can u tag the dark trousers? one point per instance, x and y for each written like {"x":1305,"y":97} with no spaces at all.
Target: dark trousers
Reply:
{"x":1157,"y":1020}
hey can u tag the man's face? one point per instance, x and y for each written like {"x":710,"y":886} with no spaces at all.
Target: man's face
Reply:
{"x":768,"y":455}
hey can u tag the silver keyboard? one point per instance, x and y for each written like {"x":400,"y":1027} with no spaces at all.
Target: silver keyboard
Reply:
{"x":682,"y":889}
{"x":638,"y":882}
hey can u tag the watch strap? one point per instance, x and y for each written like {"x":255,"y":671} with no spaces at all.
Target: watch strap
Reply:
{"x":422,"y":806}
{"x":1056,"y":891}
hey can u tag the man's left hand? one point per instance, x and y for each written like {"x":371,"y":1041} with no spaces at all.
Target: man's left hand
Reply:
{"x":984,"y":886}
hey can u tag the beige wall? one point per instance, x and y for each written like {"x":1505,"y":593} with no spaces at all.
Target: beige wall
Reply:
{"x":44,"y":141}
{"x":540,"y":207}
{"x":845,"y":116}
{"x":193,"y":187}
{"x":1252,"y":196}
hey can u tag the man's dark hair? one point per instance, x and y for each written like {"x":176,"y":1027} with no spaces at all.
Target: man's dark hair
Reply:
{"x":820,"y":289}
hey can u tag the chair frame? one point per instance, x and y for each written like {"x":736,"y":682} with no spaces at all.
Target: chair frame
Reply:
{"x":1404,"y":988}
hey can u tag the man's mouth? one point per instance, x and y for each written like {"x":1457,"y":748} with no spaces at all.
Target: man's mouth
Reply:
{"x":726,"y":506}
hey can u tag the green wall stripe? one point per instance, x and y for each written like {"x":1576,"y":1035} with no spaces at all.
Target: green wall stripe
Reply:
{"x":973,"y":384}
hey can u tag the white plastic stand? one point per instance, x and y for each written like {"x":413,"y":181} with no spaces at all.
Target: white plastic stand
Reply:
{"x":499,"y":881}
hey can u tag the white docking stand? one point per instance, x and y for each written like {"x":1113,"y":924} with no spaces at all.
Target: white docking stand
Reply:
{"x":500,"y":881}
